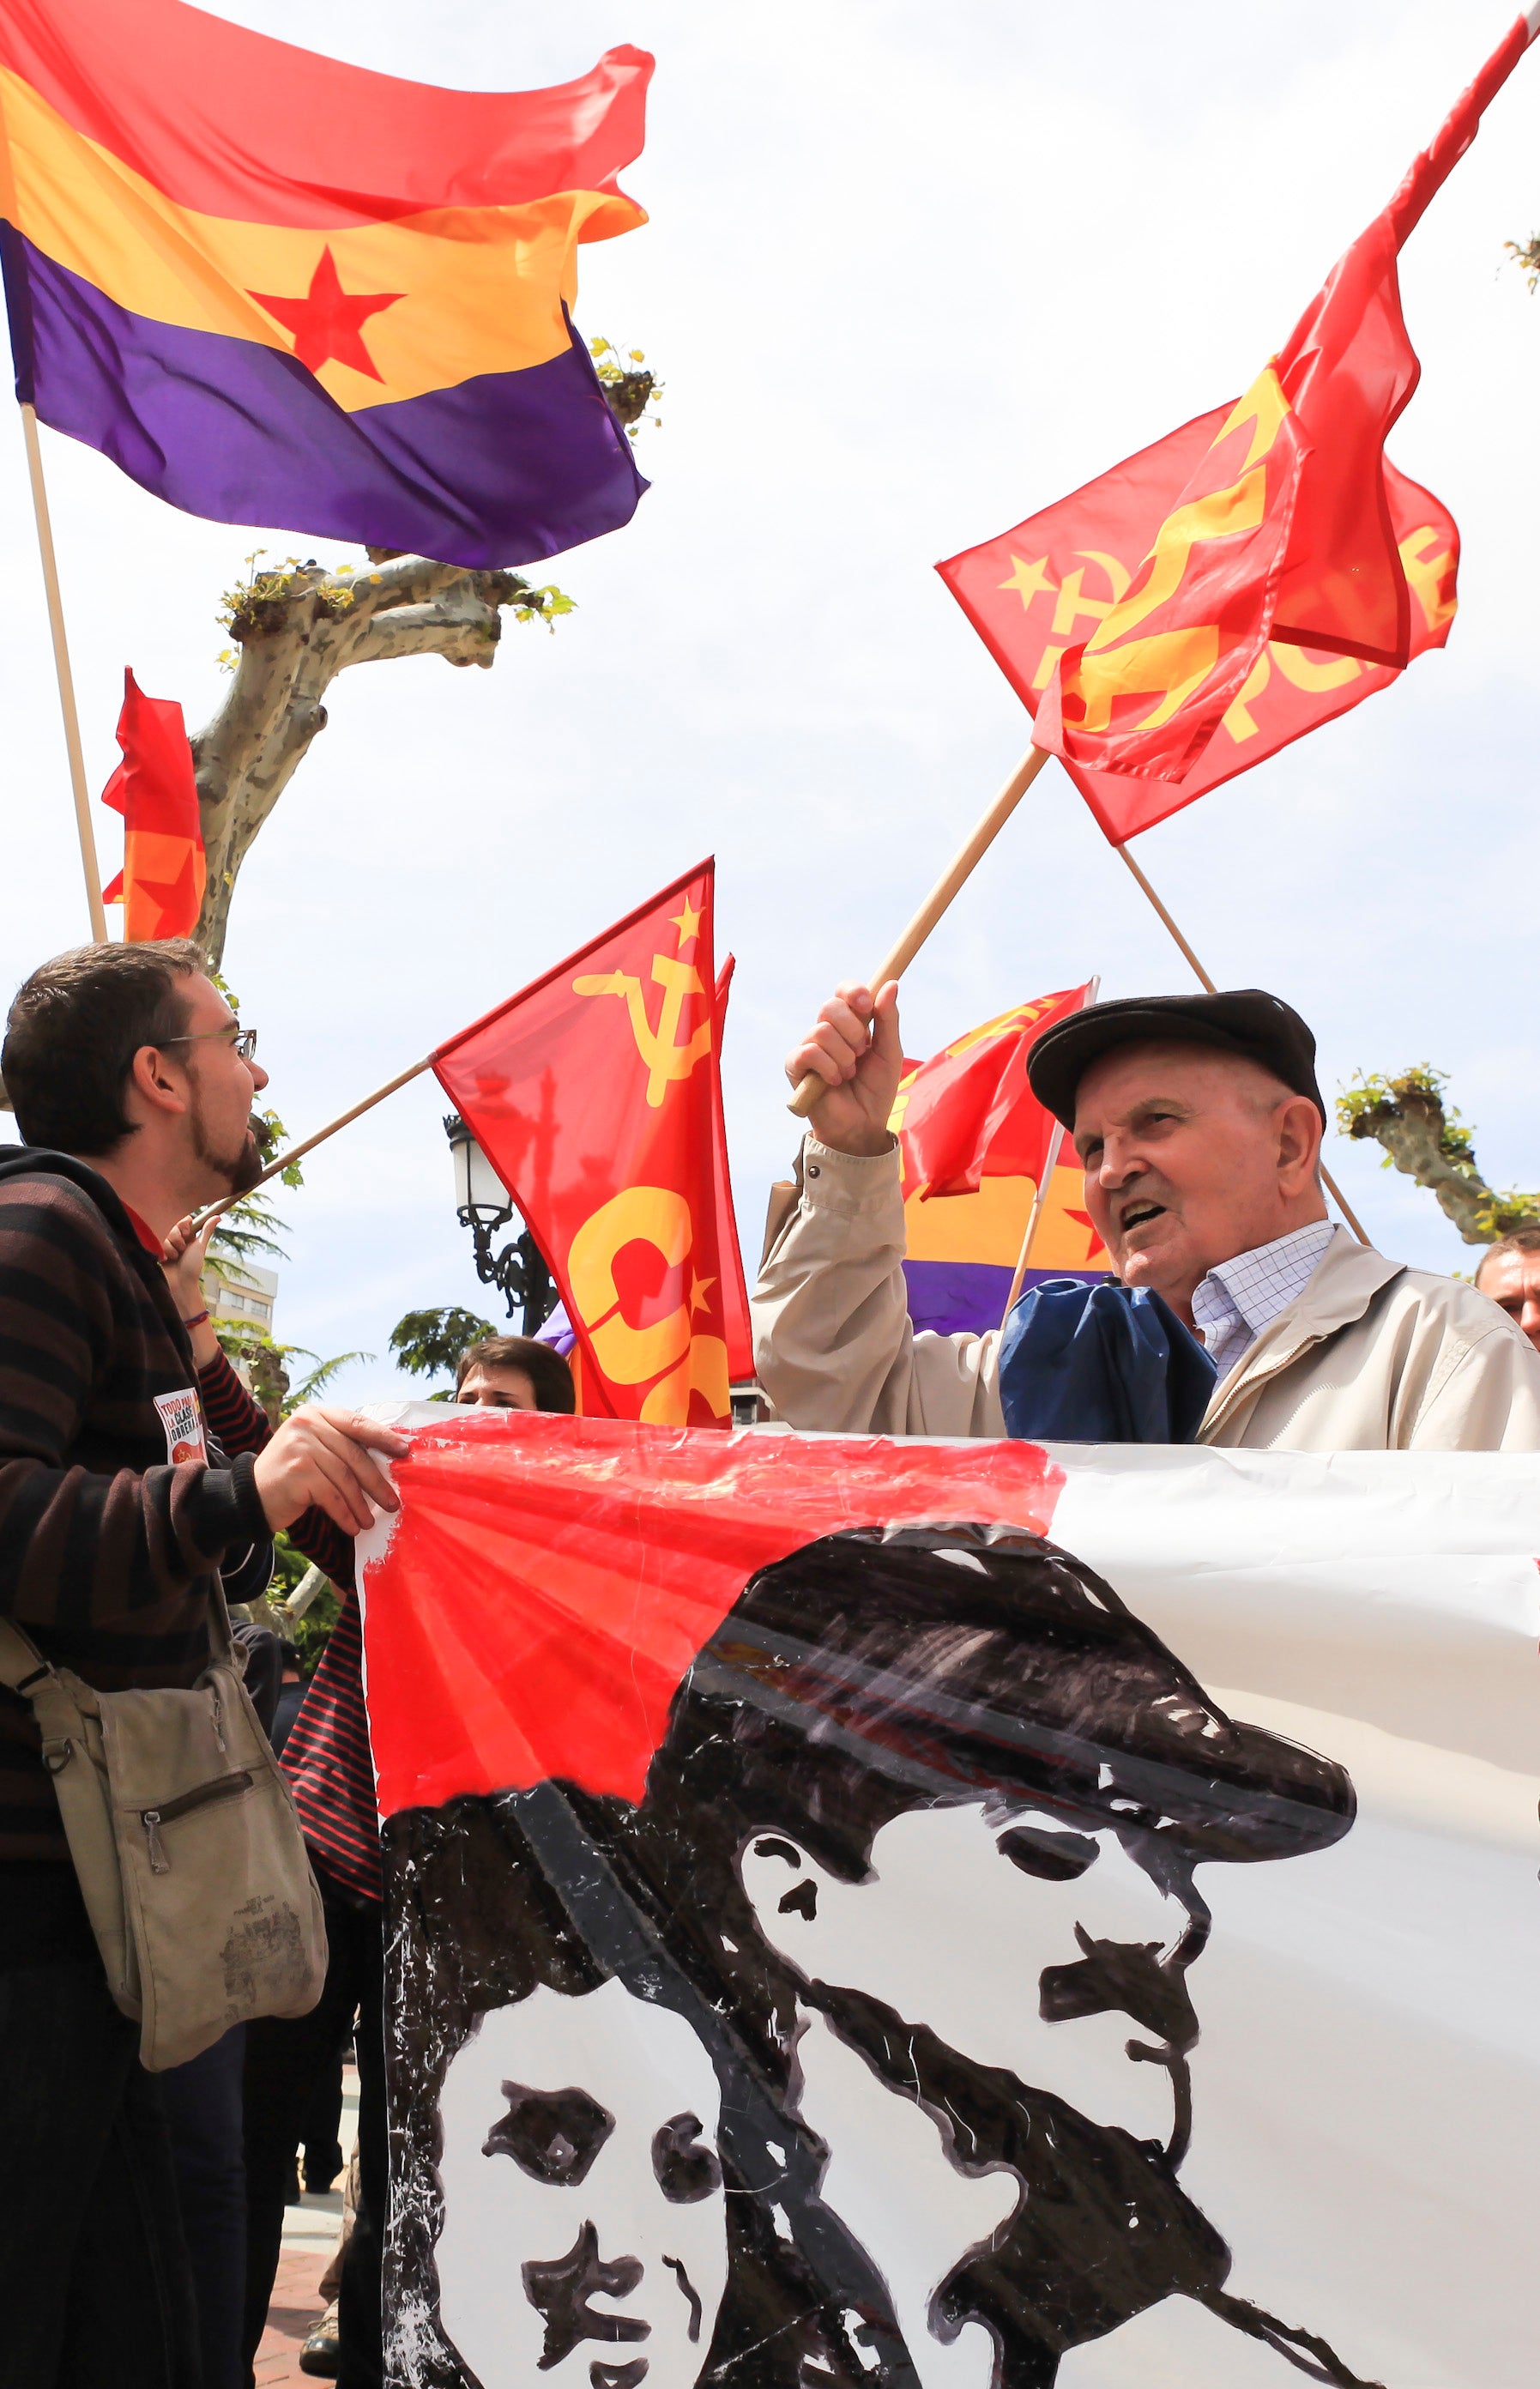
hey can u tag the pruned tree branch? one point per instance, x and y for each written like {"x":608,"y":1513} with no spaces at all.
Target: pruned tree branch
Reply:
{"x":295,"y":630}
{"x":1408,"y":1118}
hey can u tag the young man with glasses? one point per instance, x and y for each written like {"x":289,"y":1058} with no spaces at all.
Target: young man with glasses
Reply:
{"x":132,"y":1085}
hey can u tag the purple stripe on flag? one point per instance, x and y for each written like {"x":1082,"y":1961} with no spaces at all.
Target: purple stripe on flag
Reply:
{"x":968,"y":1298}
{"x":503,"y":470}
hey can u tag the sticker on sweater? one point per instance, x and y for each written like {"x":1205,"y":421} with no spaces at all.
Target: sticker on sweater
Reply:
{"x":182,"y":1417}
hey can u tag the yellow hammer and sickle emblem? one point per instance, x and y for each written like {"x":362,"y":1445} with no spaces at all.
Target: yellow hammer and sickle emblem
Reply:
{"x":1174,"y":664}
{"x":1429,"y":576}
{"x":666,"y":1059}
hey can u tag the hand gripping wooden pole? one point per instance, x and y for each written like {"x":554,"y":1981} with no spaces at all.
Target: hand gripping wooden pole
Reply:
{"x":1203,"y":981}
{"x":895,"y":962}
{"x":66,"y":678}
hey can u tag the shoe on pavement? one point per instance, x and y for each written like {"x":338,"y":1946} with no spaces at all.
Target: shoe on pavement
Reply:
{"x":322,"y":2353}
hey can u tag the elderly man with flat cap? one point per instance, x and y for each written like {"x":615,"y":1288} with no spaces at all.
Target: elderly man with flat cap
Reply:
{"x":1199,"y":1122}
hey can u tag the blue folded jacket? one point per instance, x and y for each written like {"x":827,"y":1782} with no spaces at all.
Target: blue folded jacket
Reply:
{"x":1102,"y":1363}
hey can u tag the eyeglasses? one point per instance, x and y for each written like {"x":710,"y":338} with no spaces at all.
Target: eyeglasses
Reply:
{"x":243,"y":1039}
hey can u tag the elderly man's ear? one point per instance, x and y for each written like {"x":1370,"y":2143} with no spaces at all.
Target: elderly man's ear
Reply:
{"x":1299,"y":1144}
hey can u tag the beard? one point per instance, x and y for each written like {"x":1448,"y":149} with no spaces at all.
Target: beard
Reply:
{"x":237,"y":1172}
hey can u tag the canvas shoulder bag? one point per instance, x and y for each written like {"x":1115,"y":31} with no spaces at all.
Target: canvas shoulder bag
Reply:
{"x":187,"y":1842}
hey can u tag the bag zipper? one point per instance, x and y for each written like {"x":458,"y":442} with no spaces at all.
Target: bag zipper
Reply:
{"x":223,"y":1787}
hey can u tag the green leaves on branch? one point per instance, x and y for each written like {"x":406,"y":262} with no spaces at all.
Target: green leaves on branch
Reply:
{"x":1428,"y":1141}
{"x":543,"y":606}
{"x":631,"y":388}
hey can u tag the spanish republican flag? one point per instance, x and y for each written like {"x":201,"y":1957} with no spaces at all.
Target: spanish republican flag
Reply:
{"x":975,"y":1145}
{"x":1254,"y":573}
{"x":280,"y":290}
{"x":160,"y":884}
{"x":595,"y":1095}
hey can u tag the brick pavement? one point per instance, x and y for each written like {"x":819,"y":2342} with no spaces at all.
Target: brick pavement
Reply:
{"x":309,"y":2239}
{"x":289,"y":2317}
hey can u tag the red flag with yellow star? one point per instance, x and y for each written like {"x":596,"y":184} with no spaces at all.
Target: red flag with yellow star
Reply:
{"x":160,"y":884}
{"x":975,"y":1146}
{"x":1254,"y":573}
{"x":1031,"y":592}
{"x":595,"y":1095}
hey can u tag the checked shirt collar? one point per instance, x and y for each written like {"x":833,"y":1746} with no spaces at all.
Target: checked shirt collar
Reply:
{"x":1240,"y":1297}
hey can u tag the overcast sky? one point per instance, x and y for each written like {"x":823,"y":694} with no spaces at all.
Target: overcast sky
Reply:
{"x":912,"y":273}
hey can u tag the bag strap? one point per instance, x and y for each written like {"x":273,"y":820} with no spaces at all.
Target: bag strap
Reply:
{"x":23,"y":1665}
{"x":221,"y":1642}
{"x":22,"y":1662}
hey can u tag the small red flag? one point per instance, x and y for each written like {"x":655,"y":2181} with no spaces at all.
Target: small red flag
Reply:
{"x":1271,"y":525}
{"x":969,"y":1113}
{"x":595,"y":1095}
{"x":160,"y":884}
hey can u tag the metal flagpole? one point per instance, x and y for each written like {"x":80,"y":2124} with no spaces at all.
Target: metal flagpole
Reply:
{"x":66,"y":679}
{"x":1203,"y":981}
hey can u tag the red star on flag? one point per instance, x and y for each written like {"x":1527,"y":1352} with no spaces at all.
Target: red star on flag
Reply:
{"x":325,"y":321}
{"x":178,"y":900}
{"x":1083,"y":1220}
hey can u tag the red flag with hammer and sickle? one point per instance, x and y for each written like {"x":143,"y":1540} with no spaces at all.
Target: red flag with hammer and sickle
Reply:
{"x":595,"y":1095}
{"x":1253,"y":574}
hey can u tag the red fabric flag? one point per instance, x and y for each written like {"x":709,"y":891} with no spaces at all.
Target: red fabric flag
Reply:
{"x":160,"y":884}
{"x":1287,"y":529}
{"x":969,"y":1113}
{"x":1026,"y":592}
{"x":594,"y":1094}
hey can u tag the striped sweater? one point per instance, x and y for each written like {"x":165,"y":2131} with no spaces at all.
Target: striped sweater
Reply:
{"x":109,"y":1545}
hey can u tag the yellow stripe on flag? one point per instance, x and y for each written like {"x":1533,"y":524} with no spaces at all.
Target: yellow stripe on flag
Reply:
{"x":469,"y":290}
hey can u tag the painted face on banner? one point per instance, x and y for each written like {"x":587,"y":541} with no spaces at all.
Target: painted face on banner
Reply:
{"x":585,"y":2239}
{"x":997,"y":1973}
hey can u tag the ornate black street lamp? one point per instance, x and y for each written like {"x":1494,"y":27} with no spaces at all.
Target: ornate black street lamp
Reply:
{"x":519,"y":1271}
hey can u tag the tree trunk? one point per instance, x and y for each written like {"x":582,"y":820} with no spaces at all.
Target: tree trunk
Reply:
{"x":1409,"y":1121}
{"x":295,"y":630}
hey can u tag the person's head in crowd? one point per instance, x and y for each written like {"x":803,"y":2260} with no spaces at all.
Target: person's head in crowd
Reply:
{"x":1199,"y":1123}
{"x":515,"y":1373}
{"x":128,"y":1057}
{"x":292,"y":1669}
{"x":1509,"y":1272}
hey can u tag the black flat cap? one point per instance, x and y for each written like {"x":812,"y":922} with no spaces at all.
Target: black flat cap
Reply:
{"x":1243,"y":1021}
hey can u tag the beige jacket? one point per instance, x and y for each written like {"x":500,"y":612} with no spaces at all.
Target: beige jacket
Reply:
{"x":1372,"y":1357}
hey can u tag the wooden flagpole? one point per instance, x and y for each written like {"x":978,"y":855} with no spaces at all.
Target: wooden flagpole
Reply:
{"x":298,"y":1152}
{"x":898,"y":958}
{"x":1039,"y":1199}
{"x":1203,"y":981}
{"x":66,"y":678}
{"x":1033,"y":1217}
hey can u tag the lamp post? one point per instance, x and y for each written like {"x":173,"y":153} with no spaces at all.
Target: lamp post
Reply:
{"x":519,"y":1271}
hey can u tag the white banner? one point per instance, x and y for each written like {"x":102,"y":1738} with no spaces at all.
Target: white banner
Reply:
{"x":1216,"y":1921}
